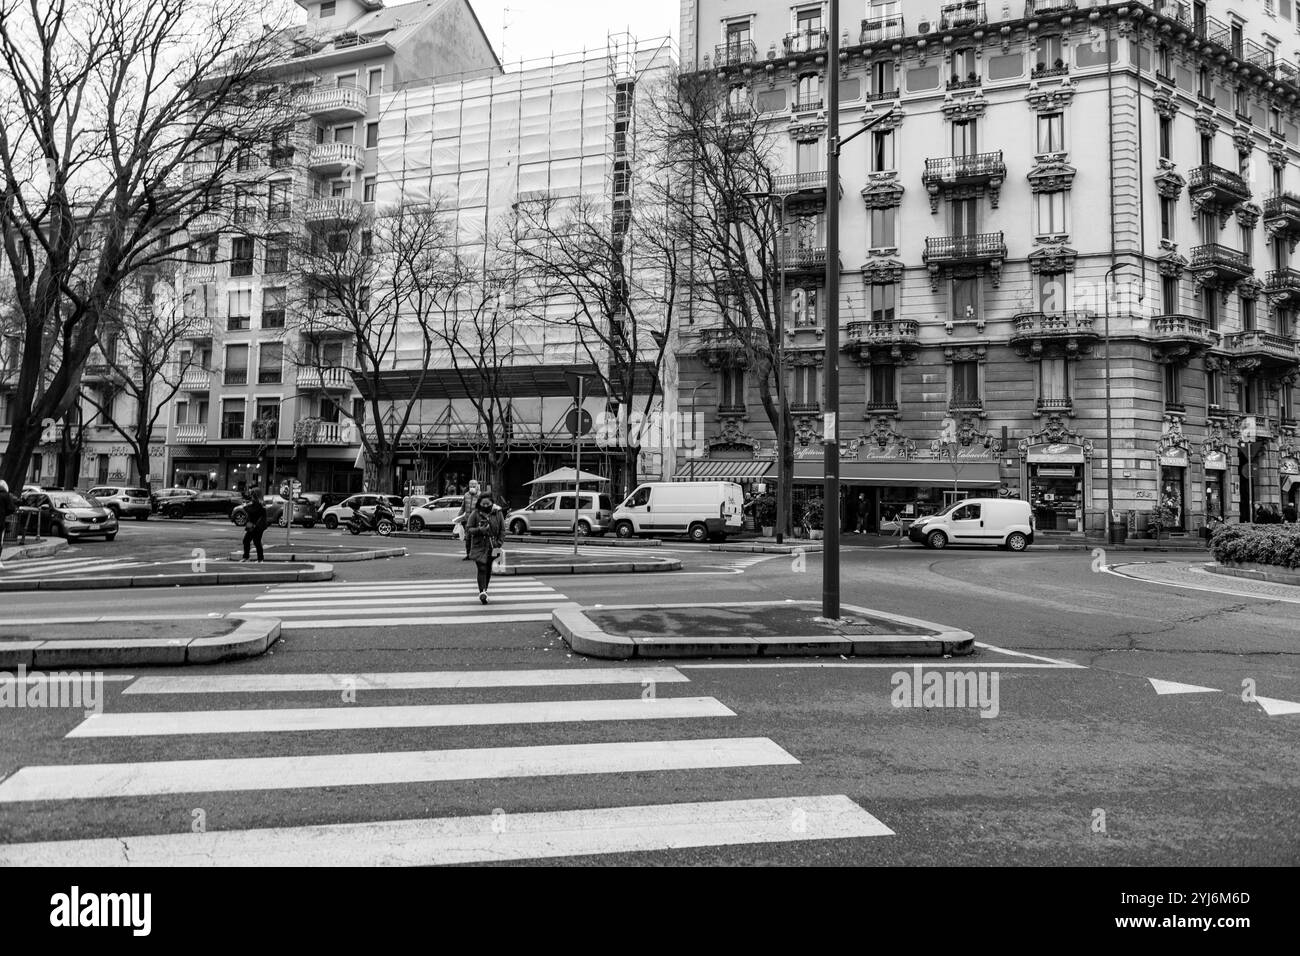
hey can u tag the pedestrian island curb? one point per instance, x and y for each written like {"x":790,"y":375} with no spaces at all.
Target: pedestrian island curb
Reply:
{"x":571,"y":565}
{"x":250,"y":637}
{"x":593,"y":540}
{"x":314,"y":572}
{"x":585,"y":632}
{"x":43,"y":550}
{"x":334,"y":557}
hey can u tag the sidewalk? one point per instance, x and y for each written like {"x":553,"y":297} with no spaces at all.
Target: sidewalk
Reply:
{"x":525,"y":563}
{"x":133,"y":642}
{"x":1196,"y":577}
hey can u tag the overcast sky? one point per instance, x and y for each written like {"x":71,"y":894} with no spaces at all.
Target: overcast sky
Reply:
{"x":538,"y":28}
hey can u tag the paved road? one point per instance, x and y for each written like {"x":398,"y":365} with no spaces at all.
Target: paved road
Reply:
{"x":448,"y":734}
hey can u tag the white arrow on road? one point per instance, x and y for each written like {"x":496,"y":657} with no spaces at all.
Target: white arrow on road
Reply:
{"x":1276,"y":708}
{"x":1170,"y":687}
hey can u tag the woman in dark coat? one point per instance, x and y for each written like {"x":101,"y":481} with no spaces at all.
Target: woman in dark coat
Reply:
{"x":485,"y":528}
{"x":255,"y":511}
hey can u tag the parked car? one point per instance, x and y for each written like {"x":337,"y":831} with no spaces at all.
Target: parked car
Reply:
{"x":163,"y":496}
{"x":123,"y":501}
{"x":1000,"y":522}
{"x":437,"y":514}
{"x":303,"y":512}
{"x":699,"y":509}
{"x":336,"y":515}
{"x":204,"y":503}
{"x":70,"y":515}
{"x":554,"y":513}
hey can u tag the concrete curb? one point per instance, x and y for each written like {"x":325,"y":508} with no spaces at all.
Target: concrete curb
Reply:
{"x":318,"y":572}
{"x":768,"y":548}
{"x":534,"y":539}
{"x":35,"y":550}
{"x":251,"y":638}
{"x":586,"y":637}
{"x":621,"y":567}
{"x":1282,"y":576}
{"x":308,"y":557}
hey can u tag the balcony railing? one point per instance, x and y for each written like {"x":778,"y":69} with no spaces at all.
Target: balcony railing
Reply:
{"x":204,"y":224}
{"x":988,"y":245}
{"x":315,"y":210}
{"x":1277,"y":349}
{"x":897,"y":330}
{"x":1035,"y":7}
{"x":1284,"y":211}
{"x":235,"y":376}
{"x":335,"y":101}
{"x":279,"y":211}
{"x":731,"y":409}
{"x":1224,"y":262}
{"x":1283,"y":283}
{"x":192,"y":433}
{"x":331,"y":378}
{"x":196,"y":379}
{"x":332,"y":433}
{"x":1054,"y":405}
{"x":968,"y":82}
{"x":201,"y":271}
{"x":232,"y":430}
{"x":875,"y":31}
{"x":1260,"y":56}
{"x":1058,"y":68}
{"x":1225,"y":186}
{"x":966,"y":14}
{"x":888,"y":405}
{"x":800,"y":182}
{"x":1215,"y":31}
{"x":1177,"y":10}
{"x":808,"y":106}
{"x":1053,"y":324}
{"x":803,"y":257}
{"x":241,"y":267}
{"x":334,"y":157}
{"x":1182,"y":327}
{"x":964,"y":170}
{"x":966,"y":403}
{"x":808,"y":41}
{"x":735,"y":53}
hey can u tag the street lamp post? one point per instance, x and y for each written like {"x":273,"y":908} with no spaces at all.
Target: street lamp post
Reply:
{"x":1110,"y":448}
{"x":705,"y":384}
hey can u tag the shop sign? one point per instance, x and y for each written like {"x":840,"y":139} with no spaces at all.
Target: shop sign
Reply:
{"x":1289,"y":466}
{"x":1174,"y":458}
{"x":1056,"y":454}
{"x":1215,"y":461}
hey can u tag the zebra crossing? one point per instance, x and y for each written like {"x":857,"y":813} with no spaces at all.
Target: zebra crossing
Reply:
{"x":52,"y":566}
{"x":746,"y":819}
{"x":328,"y":605}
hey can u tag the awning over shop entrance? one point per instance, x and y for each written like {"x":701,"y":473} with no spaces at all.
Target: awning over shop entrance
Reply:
{"x":905,"y":474}
{"x":713,"y":470}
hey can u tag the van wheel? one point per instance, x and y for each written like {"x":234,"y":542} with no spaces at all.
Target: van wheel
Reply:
{"x":518,"y":527}
{"x":584,"y":528}
{"x":1017,"y":541}
{"x":937,"y":540}
{"x":624,"y":529}
{"x":331,"y":521}
{"x":699,"y":533}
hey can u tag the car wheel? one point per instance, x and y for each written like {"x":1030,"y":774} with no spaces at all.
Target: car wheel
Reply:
{"x":415,"y":524}
{"x":331,"y":522}
{"x":937,"y":540}
{"x":698,"y":533}
{"x":175,"y":513}
{"x":624,"y":529}
{"x":1017,"y":541}
{"x":308,"y":523}
{"x":584,"y":528}
{"x":107,"y":537}
{"x":283,"y":522}
{"x":117,"y":512}
{"x":518,"y":527}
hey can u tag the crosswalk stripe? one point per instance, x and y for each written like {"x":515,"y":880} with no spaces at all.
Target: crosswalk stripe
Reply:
{"x":64,"y":567}
{"x":336,"y":623}
{"x":481,"y":838}
{"x":458,"y":603}
{"x":149,"y":724}
{"x":155,"y":778}
{"x":394,"y":585}
{"x":403,"y":680}
{"x":381,"y":598}
{"x":429,"y":587}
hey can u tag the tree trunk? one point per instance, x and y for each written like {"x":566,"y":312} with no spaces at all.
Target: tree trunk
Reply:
{"x":785,"y":490}
{"x":631,"y":457}
{"x":385,"y":459}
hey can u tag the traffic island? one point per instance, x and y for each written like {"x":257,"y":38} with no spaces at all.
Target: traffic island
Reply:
{"x":759,"y":629}
{"x":39,"y":548}
{"x":175,"y":574}
{"x":332,"y":553}
{"x":595,"y":541}
{"x":133,"y":642}
{"x":585,"y":564}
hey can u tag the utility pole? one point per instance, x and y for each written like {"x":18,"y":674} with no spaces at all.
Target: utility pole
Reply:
{"x":830,"y":426}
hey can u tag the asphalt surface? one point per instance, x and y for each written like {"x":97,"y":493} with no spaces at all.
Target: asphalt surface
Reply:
{"x":1201,"y":778}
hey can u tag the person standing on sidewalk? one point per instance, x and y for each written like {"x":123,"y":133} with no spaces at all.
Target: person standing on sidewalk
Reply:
{"x":466,"y":512}
{"x":8,"y":507}
{"x":484,"y":530}
{"x":255,"y":511}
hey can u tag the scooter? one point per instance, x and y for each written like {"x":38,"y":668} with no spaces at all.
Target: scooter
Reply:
{"x":382,"y":520}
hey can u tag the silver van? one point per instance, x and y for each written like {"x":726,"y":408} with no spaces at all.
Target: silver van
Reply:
{"x":554,"y":514}
{"x":1000,"y":522}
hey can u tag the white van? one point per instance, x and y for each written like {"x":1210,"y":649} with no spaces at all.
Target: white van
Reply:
{"x":1004,"y":522}
{"x":701,"y":509}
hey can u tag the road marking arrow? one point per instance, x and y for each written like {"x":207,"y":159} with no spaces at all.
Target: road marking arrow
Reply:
{"x":1170,"y":687}
{"x":1276,"y":708}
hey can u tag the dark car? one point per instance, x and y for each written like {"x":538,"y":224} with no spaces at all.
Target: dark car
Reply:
{"x":70,"y":515}
{"x":165,"y":496}
{"x":303,"y":512}
{"x":204,"y":503}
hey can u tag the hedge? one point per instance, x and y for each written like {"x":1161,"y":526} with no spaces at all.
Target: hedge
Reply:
{"x":1268,"y":544}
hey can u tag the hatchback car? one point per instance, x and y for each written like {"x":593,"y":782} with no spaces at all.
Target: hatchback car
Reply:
{"x":555,"y":513}
{"x":336,"y":515}
{"x":70,"y":515}
{"x":204,"y":503}
{"x":123,"y":501}
{"x":438,"y":514}
{"x":303,"y":512}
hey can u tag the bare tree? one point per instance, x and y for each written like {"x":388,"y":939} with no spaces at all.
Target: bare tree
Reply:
{"x":119,"y":125}
{"x":366,"y":302}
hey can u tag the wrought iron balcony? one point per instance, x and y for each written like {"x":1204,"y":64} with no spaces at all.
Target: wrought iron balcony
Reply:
{"x":1036,"y":7}
{"x":964,"y":14}
{"x":1049,"y":406}
{"x":1210,"y":184}
{"x":1260,"y":56}
{"x":1177,"y":10}
{"x":1046,"y":70}
{"x":732,"y":410}
{"x":799,"y":258}
{"x":889,"y":406}
{"x":807,"y":41}
{"x":728,"y":346}
{"x":875,"y":31}
{"x":735,"y":53}
{"x":1220,"y":264}
{"x":1276,"y":351}
{"x":955,"y":250}
{"x":972,"y":170}
{"x":346,"y":101}
{"x":805,"y":408}
{"x":1214,"y":31}
{"x":1282,"y":215}
{"x":1073,"y":330}
{"x":808,"y":106}
{"x":968,"y":82}
{"x":807,"y":182}
{"x":1283,"y":286}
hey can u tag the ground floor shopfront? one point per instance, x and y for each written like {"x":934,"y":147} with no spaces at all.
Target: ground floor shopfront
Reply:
{"x":245,"y":467}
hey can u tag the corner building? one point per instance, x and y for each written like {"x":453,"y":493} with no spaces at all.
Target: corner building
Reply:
{"x":1035,"y":154}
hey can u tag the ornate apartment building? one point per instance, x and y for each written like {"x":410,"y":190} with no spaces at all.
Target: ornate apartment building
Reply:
{"x":1046,"y":170}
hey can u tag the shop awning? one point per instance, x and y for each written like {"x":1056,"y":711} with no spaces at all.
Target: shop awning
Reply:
{"x":713,"y":470}
{"x":905,"y":474}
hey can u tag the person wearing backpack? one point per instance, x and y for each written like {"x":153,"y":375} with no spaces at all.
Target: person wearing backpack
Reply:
{"x":255,"y":511}
{"x":485,"y":530}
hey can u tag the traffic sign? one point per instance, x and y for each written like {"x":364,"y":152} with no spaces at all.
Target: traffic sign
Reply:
{"x":575,"y":425}
{"x":1248,"y":428}
{"x":576,"y":384}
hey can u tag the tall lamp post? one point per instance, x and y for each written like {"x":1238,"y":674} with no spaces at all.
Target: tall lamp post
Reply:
{"x":1110,"y":448}
{"x":705,"y":384}
{"x":779,"y":358}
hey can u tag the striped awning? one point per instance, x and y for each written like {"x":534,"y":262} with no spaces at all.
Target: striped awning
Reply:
{"x":707,"y":469}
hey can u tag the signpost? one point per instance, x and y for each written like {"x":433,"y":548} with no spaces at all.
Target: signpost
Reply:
{"x":1248,"y":435}
{"x":579,"y":423}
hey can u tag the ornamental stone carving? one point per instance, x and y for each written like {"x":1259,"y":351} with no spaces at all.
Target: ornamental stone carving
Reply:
{"x":1277,"y":156}
{"x":882,"y":271}
{"x":882,"y":191}
{"x":1248,"y":214}
{"x":1250,"y":288}
{"x":1206,"y":124}
{"x":1170,"y":263}
{"x":1053,"y":257}
{"x":1051,"y":175}
{"x":1169,"y":182}
{"x":1242,"y":139}
{"x":1165,"y":104}
{"x":1052,"y":98}
{"x":964,"y":107}
{"x":966,"y":437}
{"x":881,"y":441}
{"x":1055,"y":432}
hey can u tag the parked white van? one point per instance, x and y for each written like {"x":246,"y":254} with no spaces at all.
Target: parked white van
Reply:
{"x":1004,"y":522}
{"x":701,"y":509}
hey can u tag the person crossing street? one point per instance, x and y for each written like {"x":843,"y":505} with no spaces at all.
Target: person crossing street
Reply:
{"x":255,"y":510}
{"x":466,"y":512}
{"x":484,"y":530}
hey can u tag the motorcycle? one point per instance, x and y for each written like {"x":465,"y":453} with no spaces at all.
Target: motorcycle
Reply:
{"x":382,"y":520}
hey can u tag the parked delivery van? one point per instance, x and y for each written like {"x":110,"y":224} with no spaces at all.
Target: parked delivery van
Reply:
{"x":1004,"y":522}
{"x":700,"y":509}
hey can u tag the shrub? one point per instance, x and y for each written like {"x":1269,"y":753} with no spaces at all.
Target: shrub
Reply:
{"x":1273,"y":544}
{"x":765,"y":511}
{"x":813,"y":514}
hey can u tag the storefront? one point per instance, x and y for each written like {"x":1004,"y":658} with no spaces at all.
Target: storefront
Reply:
{"x":1216,"y":485}
{"x":898,"y":490}
{"x":1054,"y":468}
{"x":1173,"y":457}
{"x":1289,"y":471}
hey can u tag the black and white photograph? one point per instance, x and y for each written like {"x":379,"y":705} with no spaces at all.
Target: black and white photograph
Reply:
{"x":852,"y":434}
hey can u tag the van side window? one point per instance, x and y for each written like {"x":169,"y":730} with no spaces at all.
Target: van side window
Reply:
{"x":543,"y":504}
{"x":640,"y":498}
{"x":967,"y":513}
{"x":568,"y":503}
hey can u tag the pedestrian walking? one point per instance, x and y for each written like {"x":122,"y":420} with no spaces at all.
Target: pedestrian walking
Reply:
{"x":484,"y":530}
{"x":255,"y":511}
{"x":466,"y":510}
{"x":864,"y":508}
{"x":8,"y":507}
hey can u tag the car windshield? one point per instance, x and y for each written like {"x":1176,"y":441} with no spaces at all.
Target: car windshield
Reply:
{"x":67,"y":500}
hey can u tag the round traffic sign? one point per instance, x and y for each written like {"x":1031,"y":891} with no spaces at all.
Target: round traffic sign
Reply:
{"x":578,"y":427}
